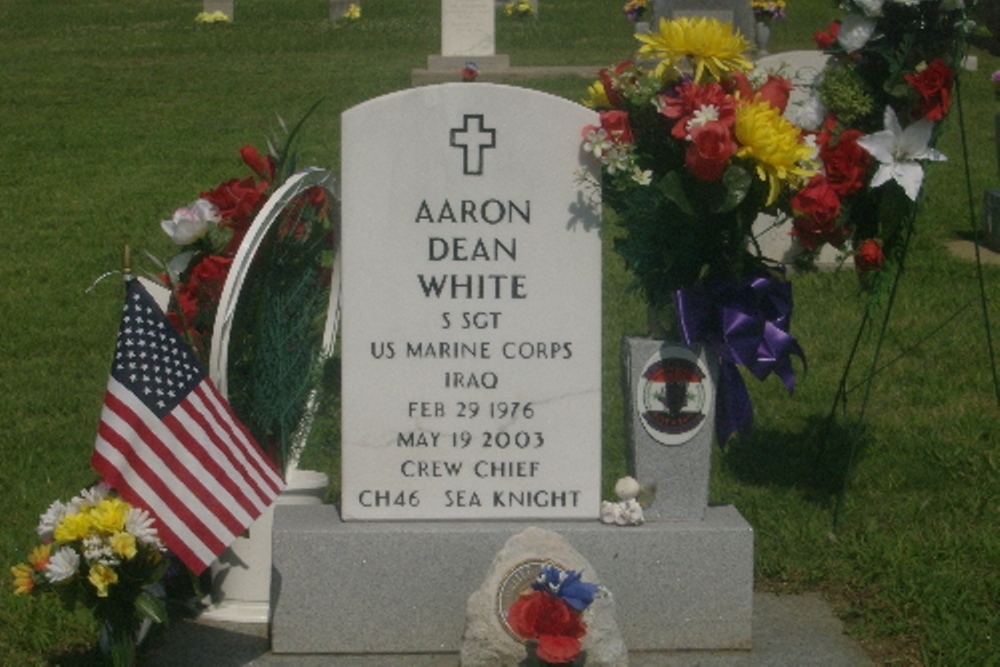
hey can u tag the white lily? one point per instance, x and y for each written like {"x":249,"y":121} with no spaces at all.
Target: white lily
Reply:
{"x":899,"y":150}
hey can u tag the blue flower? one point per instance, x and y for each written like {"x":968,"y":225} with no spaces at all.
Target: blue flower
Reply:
{"x":565,"y":585}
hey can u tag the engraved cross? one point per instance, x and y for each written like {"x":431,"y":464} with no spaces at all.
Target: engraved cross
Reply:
{"x":473,"y":142}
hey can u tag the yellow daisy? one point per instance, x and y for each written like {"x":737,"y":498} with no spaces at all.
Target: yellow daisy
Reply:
{"x":597,"y":97}
{"x":774,"y":144}
{"x":710,"y":44}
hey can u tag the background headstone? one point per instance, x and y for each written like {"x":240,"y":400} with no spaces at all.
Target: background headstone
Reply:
{"x":472,"y":308}
{"x":737,"y":12}
{"x":224,"y":6}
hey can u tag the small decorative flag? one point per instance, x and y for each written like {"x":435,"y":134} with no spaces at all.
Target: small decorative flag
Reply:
{"x":169,"y":442}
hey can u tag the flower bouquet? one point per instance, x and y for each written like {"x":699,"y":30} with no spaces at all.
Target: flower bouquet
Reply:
{"x":99,"y":551}
{"x":549,"y":615}
{"x":635,"y":10}
{"x":877,"y":108}
{"x":767,"y":10}
{"x":692,"y":149}
{"x":274,"y":341}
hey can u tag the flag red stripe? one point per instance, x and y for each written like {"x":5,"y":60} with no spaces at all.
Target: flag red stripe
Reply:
{"x":245,"y":459}
{"x":138,"y":495}
{"x":260,"y":466}
{"x":181,"y":464}
{"x":121,"y":466}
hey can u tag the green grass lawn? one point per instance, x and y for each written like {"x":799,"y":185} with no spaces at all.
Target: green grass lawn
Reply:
{"x":113,"y":114}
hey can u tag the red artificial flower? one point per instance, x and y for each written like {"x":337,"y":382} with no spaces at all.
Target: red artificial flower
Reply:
{"x":868,"y":257}
{"x":198,"y":297}
{"x":615,"y":123}
{"x":825,"y":40}
{"x":776,"y":90}
{"x":551,"y":622}
{"x":470,"y":72}
{"x":537,"y":613}
{"x":607,"y":77}
{"x":238,"y":201}
{"x":933,"y":83}
{"x":709,"y":151}
{"x":816,"y":208}
{"x":845,"y":162}
{"x":689,"y":99}
{"x":263,"y":166}
{"x":557,"y":649}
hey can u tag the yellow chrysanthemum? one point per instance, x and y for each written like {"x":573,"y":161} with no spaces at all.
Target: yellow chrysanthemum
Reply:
{"x":710,"y":44}
{"x":774,"y":143}
{"x":597,"y":97}
{"x":123,"y":544}
{"x":24,"y":579}
{"x":109,"y":515}
{"x":102,"y":576}
{"x":39,"y":556}
{"x":73,"y":527}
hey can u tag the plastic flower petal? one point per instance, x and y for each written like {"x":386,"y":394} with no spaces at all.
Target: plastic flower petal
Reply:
{"x":190,"y":223}
{"x":102,"y":576}
{"x":710,"y":44}
{"x":899,"y":151}
{"x":855,"y":31}
{"x":23,"y":578}
{"x":565,"y":585}
{"x":775,"y":145}
{"x":52,"y":517}
{"x":62,"y":565}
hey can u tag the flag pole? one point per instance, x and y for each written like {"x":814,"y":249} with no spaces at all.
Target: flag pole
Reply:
{"x":127,"y":262}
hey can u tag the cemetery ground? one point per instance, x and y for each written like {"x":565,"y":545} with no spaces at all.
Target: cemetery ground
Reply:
{"x":114,"y":114}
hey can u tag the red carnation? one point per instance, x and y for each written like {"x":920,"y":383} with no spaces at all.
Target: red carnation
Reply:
{"x":933,"y":83}
{"x":688,"y":98}
{"x":238,"y":201}
{"x":817,"y":208}
{"x":845,"y":162}
{"x":709,"y":151}
{"x":868,"y":257}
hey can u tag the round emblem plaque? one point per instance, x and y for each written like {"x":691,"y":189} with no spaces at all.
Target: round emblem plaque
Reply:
{"x":517,"y":580}
{"x":672,"y":395}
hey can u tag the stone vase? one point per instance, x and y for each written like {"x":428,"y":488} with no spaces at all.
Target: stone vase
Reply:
{"x":762,"y":35}
{"x":241,"y":577}
{"x":670,"y":393}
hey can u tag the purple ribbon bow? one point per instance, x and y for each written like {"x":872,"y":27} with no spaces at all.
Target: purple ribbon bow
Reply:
{"x":745,"y":323}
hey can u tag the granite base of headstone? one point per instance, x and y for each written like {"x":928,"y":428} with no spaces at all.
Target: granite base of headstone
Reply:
{"x":396,"y":588}
{"x":489,"y":641}
{"x":224,"y":6}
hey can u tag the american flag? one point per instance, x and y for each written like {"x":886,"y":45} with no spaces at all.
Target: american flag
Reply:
{"x":169,"y":442}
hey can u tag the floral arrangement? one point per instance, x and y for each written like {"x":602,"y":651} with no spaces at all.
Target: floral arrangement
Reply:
{"x":877,"y":108}
{"x":692,"y":150}
{"x":99,"y":551}
{"x":549,"y":614}
{"x":470,"y":72}
{"x":635,"y":10}
{"x":518,"y":9}
{"x":274,"y":334}
{"x":767,"y":10}
{"x":352,"y":13}
{"x":213,"y":17}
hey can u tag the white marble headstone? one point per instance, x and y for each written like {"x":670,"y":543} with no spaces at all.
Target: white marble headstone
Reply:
{"x":471,"y":307}
{"x":468,"y":27}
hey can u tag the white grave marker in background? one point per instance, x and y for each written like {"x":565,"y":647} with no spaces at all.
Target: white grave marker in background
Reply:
{"x":468,"y":27}
{"x":471,"y":308}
